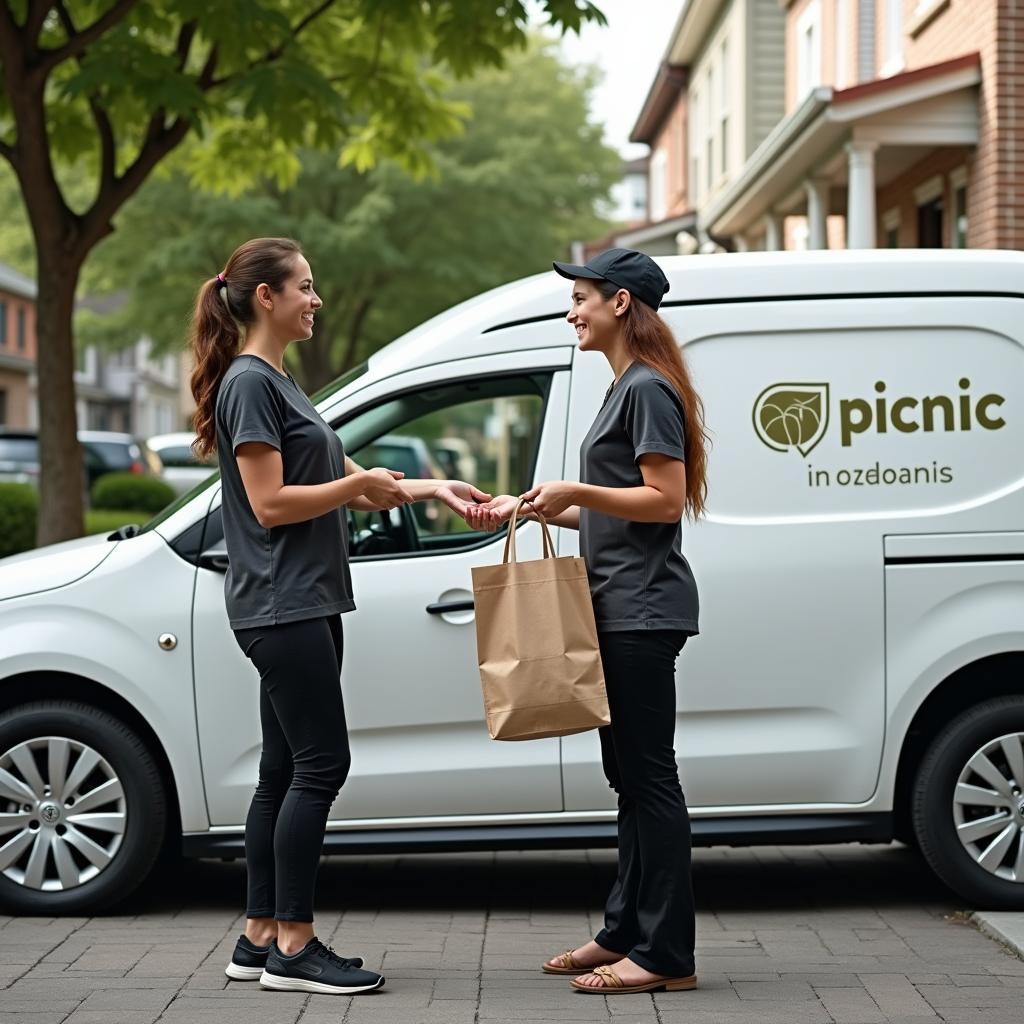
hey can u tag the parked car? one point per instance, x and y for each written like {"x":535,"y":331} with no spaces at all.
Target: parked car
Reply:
{"x":110,"y":452}
{"x":859,"y":677}
{"x":19,"y":457}
{"x":182,"y":468}
{"x":102,"y":452}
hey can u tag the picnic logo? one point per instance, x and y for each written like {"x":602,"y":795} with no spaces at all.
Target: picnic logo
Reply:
{"x":788,"y":416}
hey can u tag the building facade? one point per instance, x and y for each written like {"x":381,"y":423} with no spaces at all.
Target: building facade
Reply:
{"x":902,"y":127}
{"x":17,"y":347}
{"x":717,"y":93}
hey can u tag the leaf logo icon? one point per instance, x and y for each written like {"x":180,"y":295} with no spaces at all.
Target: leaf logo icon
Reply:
{"x":792,"y":416}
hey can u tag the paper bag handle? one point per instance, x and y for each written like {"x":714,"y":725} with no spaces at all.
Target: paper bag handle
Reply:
{"x":510,"y":540}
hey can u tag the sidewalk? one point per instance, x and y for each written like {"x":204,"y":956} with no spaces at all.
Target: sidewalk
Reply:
{"x":852,"y":935}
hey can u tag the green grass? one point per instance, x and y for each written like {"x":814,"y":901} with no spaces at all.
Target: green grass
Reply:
{"x":107,"y":520}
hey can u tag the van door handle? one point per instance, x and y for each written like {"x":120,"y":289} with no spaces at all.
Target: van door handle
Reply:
{"x":441,"y":607}
{"x":215,"y":559}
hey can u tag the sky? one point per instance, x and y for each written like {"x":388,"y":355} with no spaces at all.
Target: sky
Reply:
{"x":626,"y":52}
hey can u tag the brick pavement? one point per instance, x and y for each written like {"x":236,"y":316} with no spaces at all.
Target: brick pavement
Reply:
{"x":851,"y":935}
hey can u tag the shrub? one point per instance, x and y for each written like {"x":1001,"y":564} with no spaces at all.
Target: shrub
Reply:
{"x":102,"y":520}
{"x":128,"y":490}
{"x":19,"y":505}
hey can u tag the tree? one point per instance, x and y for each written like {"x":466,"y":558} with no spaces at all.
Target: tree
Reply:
{"x":106,"y":89}
{"x":387,"y":251}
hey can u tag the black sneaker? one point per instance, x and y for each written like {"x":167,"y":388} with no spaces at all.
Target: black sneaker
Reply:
{"x":317,"y":968}
{"x":248,"y":961}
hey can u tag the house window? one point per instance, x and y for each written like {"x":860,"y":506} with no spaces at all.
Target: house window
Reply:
{"x":21,"y":328}
{"x":893,"y":38}
{"x":842,"y":43}
{"x":891,"y":229}
{"x":930,"y":213}
{"x":695,"y":149}
{"x":709,"y":128}
{"x":3,"y":408}
{"x":808,"y":50}
{"x":3,"y":323}
{"x":659,"y":201}
{"x":958,"y":182}
{"x":929,"y":224}
{"x":723,"y":108}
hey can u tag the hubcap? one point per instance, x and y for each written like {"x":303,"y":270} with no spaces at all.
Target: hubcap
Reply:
{"x":62,"y":813}
{"x":988,"y":807}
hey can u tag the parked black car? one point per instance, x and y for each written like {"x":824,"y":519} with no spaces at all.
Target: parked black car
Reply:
{"x":102,"y":452}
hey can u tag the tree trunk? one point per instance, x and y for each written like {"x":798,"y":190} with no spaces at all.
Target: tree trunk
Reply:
{"x":61,"y":476}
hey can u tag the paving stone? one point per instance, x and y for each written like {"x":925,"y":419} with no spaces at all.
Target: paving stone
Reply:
{"x":850,"y":1006}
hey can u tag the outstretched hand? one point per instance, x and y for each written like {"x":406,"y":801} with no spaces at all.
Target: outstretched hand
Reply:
{"x":490,"y":515}
{"x":460,"y":496}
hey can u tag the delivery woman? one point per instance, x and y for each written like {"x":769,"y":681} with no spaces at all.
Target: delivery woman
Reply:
{"x":642,"y":467}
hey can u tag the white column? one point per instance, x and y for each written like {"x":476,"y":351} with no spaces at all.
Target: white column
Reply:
{"x":774,"y":237}
{"x":741,"y":243}
{"x":817,"y":213}
{"x":860,"y":207}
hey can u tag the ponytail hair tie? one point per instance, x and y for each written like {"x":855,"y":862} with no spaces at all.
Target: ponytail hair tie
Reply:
{"x":220,"y":279}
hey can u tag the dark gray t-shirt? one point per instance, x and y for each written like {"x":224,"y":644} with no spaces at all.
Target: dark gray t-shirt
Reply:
{"x":292,"y":572}
{"x":639,"y":578}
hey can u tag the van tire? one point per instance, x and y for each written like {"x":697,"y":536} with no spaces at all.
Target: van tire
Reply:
{"x":123,"y":756}
{"x":932,"y":804}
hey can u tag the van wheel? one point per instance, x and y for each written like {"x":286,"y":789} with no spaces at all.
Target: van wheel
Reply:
{"x":968,"y":804}
{"x":83,"y":811}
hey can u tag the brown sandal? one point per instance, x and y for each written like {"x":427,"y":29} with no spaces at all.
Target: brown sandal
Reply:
{"x":611,"y":984}
{"x":567,"y":964}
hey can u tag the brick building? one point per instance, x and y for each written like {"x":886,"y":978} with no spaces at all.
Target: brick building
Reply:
{"x":17,"y":346}
{"x":903,"y":127}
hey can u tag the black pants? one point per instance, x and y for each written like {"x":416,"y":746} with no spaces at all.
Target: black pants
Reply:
{"x":304,"y":763}
{"x":649,"y":915}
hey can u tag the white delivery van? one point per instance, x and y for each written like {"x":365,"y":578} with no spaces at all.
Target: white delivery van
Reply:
{"x":860,"y":671}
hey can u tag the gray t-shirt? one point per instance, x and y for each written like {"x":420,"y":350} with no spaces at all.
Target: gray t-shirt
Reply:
{"x":284,"y":573}
{"x":639,"y":578}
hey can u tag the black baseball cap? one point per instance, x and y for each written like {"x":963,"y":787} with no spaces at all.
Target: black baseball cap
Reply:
{"x":629,"y":269}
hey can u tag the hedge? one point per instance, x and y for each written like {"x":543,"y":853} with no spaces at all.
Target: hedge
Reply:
{"x":129,"y":490}
{"x":19,"y":506}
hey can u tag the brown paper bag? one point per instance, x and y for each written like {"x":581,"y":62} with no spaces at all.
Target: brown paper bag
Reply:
{"x":540,"y":664}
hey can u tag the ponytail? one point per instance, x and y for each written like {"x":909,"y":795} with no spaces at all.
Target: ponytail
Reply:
{"x":215,"y":341}
{"x":223,"y":307}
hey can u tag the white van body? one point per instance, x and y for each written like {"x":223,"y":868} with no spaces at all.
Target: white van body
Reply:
{"x":860,"y":566}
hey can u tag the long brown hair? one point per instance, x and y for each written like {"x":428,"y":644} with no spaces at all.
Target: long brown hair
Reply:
{"x":217,"y":321}
{"x":650,"y":341}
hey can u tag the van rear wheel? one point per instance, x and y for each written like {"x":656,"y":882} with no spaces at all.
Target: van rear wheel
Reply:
{"x":83,"y":812}
{"x":968,"y":804}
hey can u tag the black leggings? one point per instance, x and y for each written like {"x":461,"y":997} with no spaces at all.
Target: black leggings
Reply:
{"x":304,"y":763}
{"x":649,"y":915}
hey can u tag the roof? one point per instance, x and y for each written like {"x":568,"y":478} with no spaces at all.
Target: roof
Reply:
{"x":530,"y":312}
{"x":17,"y":283}
{"x":668,"y":87}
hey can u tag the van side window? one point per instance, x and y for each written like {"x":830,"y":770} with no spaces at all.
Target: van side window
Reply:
{"x":485,"y":431}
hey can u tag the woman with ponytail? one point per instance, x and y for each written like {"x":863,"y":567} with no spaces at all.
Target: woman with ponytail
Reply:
{"x":642,"y":469}
{"x":285,"y":480}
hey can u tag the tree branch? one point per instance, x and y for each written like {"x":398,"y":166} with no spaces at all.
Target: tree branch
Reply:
{"x":104,"y":128}
{"x":78,"y":43}
{"x":34,"y":21}
{"x":184,"y":44}
{"x":7,"y":152}
{"x":275,"y":52}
